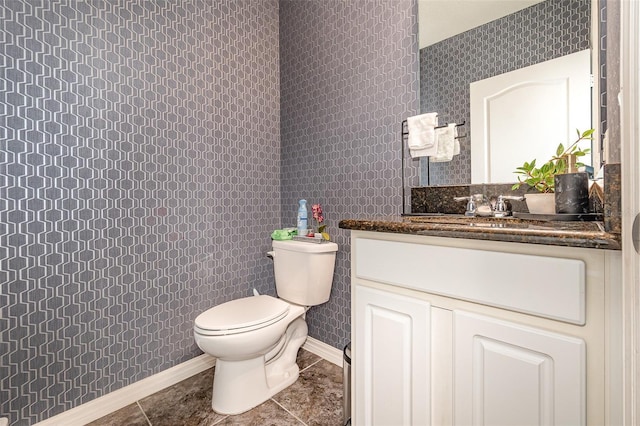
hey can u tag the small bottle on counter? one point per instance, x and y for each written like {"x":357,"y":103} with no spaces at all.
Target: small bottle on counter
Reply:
{"x":302,"y":218}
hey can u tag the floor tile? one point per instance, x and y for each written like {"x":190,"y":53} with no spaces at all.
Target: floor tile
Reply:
{"x":316,"y":398}
{"x":129,"y":415}
{"x":306,"y":358}
{"x":187,"y":403}
{"x":267,"y":414}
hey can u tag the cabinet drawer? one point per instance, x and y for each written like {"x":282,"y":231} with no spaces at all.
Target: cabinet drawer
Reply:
{"x":538,"y":285}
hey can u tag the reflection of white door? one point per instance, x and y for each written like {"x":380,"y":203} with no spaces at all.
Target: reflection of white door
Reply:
{"x":524,"y":114}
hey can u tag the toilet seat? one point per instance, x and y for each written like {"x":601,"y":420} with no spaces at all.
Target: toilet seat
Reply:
{"x":241,"y":315}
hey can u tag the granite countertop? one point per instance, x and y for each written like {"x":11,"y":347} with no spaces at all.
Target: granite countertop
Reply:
{"x":570,"y":234}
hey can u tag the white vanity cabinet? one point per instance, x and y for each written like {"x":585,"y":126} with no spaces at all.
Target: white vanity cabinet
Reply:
{"x":506,"y":374}
{"x":393,"y":385}
{"x":469,"y":332}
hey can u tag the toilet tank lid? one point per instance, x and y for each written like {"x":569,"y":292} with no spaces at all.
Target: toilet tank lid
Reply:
{"x":304,"y":247}
{"x":242,"y":313}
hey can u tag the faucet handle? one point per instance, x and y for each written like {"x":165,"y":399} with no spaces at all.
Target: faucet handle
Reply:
{"x":475,"y":198}
{"x":501,"y":209}
{"x":510,"y":197}
{"x":472,"y":203}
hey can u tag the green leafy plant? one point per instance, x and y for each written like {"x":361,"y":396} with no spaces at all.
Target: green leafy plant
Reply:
{"x":542,"y":178}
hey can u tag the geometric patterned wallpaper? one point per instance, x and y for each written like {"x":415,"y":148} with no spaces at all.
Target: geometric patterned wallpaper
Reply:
{"x":139,"y":184}
{"x":602,"y":67}
{"x":536,"y":34}
{"x":349,"y":76}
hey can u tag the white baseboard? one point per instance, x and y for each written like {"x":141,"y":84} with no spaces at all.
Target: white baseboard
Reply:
{"x":323,"y":350}
{"x":120,"y":398}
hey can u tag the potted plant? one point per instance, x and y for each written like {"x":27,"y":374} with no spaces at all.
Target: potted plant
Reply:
{"x":541,"y":179}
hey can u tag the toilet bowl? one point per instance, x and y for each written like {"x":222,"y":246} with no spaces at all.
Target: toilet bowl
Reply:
{"x":245,"y":335}
{"x":255,"y":340}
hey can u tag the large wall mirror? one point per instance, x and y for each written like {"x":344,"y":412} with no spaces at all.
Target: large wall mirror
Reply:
{"x":485,"y":63}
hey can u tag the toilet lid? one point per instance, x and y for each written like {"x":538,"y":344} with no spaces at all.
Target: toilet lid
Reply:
{"x":241,"y":315}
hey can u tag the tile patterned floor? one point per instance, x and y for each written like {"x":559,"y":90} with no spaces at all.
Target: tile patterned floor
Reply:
{"x":315,"y":399}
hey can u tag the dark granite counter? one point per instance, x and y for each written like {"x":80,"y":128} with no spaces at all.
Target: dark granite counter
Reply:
{"x":570,"y":234}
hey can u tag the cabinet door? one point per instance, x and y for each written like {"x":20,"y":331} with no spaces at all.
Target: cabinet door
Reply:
{"x":508,"y":374}
{"x":390,"y":359}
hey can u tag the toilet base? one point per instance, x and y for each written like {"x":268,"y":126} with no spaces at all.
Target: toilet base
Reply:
{"x":239,"y":386}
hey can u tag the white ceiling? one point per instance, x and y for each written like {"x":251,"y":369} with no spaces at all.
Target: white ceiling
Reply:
{"x":441,"y":19}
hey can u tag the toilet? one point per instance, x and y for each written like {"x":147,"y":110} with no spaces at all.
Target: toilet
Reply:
{"x":256,"y":339}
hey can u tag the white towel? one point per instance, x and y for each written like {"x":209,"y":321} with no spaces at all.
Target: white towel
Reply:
{"x":446,"y":141}
{"x":422,"y":137}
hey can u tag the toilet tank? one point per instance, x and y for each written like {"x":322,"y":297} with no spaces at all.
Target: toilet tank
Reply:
{"x":304,"y":271}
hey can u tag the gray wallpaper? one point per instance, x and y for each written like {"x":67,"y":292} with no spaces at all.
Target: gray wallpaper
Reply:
{"x":536,"y":34}
{"x":139,"y":183}
{"x":349,"y":76}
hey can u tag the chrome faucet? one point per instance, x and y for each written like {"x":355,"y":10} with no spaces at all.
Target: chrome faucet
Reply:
{"x":473,"y":202}
{"x":503,"y":209}
{"x":478,"y":205}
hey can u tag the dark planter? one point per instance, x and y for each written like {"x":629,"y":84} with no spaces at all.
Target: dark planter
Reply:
{"x":572,"y":193}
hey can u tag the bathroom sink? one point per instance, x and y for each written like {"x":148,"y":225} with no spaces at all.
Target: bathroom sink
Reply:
{"x":503,"y":223}
{"x":458,"y":219}
{"x":472,"y":221}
